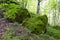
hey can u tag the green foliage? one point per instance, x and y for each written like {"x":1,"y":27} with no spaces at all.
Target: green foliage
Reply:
{"x":47,"y":37}
{"x":53,"y":32}
{"x":15,"y":12}
{"x":36,"y":24}
{"x":11,"y":9}
{"x":52,"y":4}
{"x":6,"y":1}
{"x":3,"y":1}
{"x":55,"y":27}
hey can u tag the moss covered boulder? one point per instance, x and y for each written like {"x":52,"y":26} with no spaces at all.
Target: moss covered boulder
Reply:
{"x":22,"y":14}
{"x":36,"y":24}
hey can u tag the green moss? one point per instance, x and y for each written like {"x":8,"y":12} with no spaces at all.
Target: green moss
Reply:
{"x":22,"y":14}
{"x":36,"y":24}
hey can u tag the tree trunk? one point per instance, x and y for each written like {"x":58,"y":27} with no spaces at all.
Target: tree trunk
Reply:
{"x":38,"y":6}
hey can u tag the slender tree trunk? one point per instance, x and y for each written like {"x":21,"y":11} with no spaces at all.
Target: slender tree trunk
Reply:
{"x":54,"y":16}
{"x":24,"y":3}
{"x":38,"y":7}
{"x":59,"y":8}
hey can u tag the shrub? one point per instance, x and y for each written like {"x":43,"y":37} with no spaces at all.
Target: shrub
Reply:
{"x":15,"y":12}
{"x":54,"y":32}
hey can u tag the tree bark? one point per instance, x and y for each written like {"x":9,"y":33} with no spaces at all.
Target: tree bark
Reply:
{"x":38,"y":7}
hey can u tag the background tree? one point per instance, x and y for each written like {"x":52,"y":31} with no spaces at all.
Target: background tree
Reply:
{"x":38,"y":7}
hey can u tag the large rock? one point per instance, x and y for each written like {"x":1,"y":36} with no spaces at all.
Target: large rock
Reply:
{"x":22,"y":14}
{"x":36,"y":24}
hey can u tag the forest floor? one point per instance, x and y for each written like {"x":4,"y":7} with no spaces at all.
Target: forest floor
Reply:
{"x":4,"y":25}
{"x":20,"y":30}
